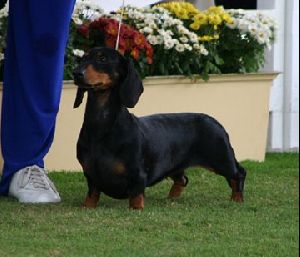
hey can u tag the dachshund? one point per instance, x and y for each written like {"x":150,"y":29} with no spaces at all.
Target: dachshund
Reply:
{"x":122,"y":154}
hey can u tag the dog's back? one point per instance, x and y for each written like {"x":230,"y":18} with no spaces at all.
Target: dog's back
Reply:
{"x":177,"y":141}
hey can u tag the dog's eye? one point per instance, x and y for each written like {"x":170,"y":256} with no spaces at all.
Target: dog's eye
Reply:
{"x":101,"y":58}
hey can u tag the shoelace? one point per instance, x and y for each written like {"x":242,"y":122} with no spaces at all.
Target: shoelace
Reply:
{"x":37,"y":177}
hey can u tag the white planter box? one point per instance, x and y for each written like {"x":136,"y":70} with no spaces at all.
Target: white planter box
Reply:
{"x":239,"y":101}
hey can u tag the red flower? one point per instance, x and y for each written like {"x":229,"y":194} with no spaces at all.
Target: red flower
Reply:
{"x":131,"y":41}
{"x":135,"y":53}
{"x":112,"y":29}
{"x":139,"y":39}
{"x":84,"y":30}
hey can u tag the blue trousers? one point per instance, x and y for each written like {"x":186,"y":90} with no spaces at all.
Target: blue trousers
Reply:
{"x":33,"y":73}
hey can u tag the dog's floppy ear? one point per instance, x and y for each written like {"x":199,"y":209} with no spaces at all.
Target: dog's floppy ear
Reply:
{"x":131,"y":87}
{"x":79,"y":97}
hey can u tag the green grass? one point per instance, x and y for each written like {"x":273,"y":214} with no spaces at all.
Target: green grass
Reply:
{"x":201,"y":223}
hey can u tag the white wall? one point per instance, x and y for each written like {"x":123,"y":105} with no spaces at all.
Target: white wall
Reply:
{"x":284,"y":102}
{"x":276,"y":62}
{"x":291,"y":97}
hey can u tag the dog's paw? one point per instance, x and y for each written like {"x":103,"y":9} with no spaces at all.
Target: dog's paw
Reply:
{"x":91,"y":201}
{"x":178,"y":187}
{"x":176,"y":191}
{"x":137,"y":203}
{"x":237,"y":197}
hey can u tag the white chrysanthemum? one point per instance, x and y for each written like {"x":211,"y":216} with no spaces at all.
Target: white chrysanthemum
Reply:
{"x":169,"y":44}
{"x":78,"y":21}
{"x":259,"y":26}
{"x":149,"y":20}
{"x":184,"y":39}
{"x":151,"y":39}
{"x":167,"y":37}
{"x":78,"y":52}
{"x":182,"y":30}
{"x":153,"y":26}
{"x":86,"y":10}
{"x":176,"y":41}
{"x":253,"y":28}
{"x":180,"y":48}
{"x":160,"y":40}
{"x":193,"y":38}
{"x":147,"y":30}
{"x":133,"y":14}
{"x":201,"y":49}
{"x":4,"y":11}
{"x":204,"y":51}
{"x":188,"y":47}
{"x":243,"y":26}
{"x":161,"y":28}
{"x":155,"y":39}
{"x":196,"y":46}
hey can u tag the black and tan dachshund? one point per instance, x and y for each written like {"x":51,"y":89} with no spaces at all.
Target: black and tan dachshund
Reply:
{"x":121,"y":154}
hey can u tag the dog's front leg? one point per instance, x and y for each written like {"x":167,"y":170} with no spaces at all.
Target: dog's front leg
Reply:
{"x":137,"y":202}
{"x":91,"y":200}
{"x":136,"y":191}
{"x":93,"y":195}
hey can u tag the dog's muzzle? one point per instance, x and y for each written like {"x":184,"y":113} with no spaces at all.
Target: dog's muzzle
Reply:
{"x":78,"y":76}
{"x":79,"y":81}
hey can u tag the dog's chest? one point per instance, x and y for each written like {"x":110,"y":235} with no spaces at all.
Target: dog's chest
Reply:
{"x":106,"y":169}
{"x":110,"y":178}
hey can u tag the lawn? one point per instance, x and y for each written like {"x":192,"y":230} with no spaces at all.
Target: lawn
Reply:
{"x":202,"y":223}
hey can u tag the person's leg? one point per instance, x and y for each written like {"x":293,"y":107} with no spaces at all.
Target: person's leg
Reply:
{"x":34,"y":58}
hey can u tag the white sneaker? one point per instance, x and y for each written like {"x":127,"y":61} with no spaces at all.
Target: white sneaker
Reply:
{"x":32,"y":185}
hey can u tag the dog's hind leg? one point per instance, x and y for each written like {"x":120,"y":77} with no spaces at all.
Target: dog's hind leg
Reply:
{"x":235,"y":176}
{"x":237,"y":184}
{"x":224,"y":163}
{"x":180,"y":182}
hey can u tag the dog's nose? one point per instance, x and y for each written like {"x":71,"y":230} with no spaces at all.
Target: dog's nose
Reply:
{"x":78,"y":74}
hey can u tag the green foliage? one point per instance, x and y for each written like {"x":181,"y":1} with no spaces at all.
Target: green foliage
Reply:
{"x":240,"y":53}
{"x":183,"y":40}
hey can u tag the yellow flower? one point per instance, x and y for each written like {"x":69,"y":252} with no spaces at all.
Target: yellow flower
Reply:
{"x":216,"y":9}
{"x":214,"y":19}
{"x":195,"y":26}
{"x":181,"y":14}
{"x":182,"y":10}
{"x":227,"y":18}
{"x":213,"y":16}
{"x":206,"y":38}
{"x":201,"y":18}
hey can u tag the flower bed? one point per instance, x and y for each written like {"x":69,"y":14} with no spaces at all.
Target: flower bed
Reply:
{"x":175,"y":39}
{"x":169,"y":39}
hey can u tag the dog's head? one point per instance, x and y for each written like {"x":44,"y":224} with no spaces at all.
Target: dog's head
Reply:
{"x":105,"y":69}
